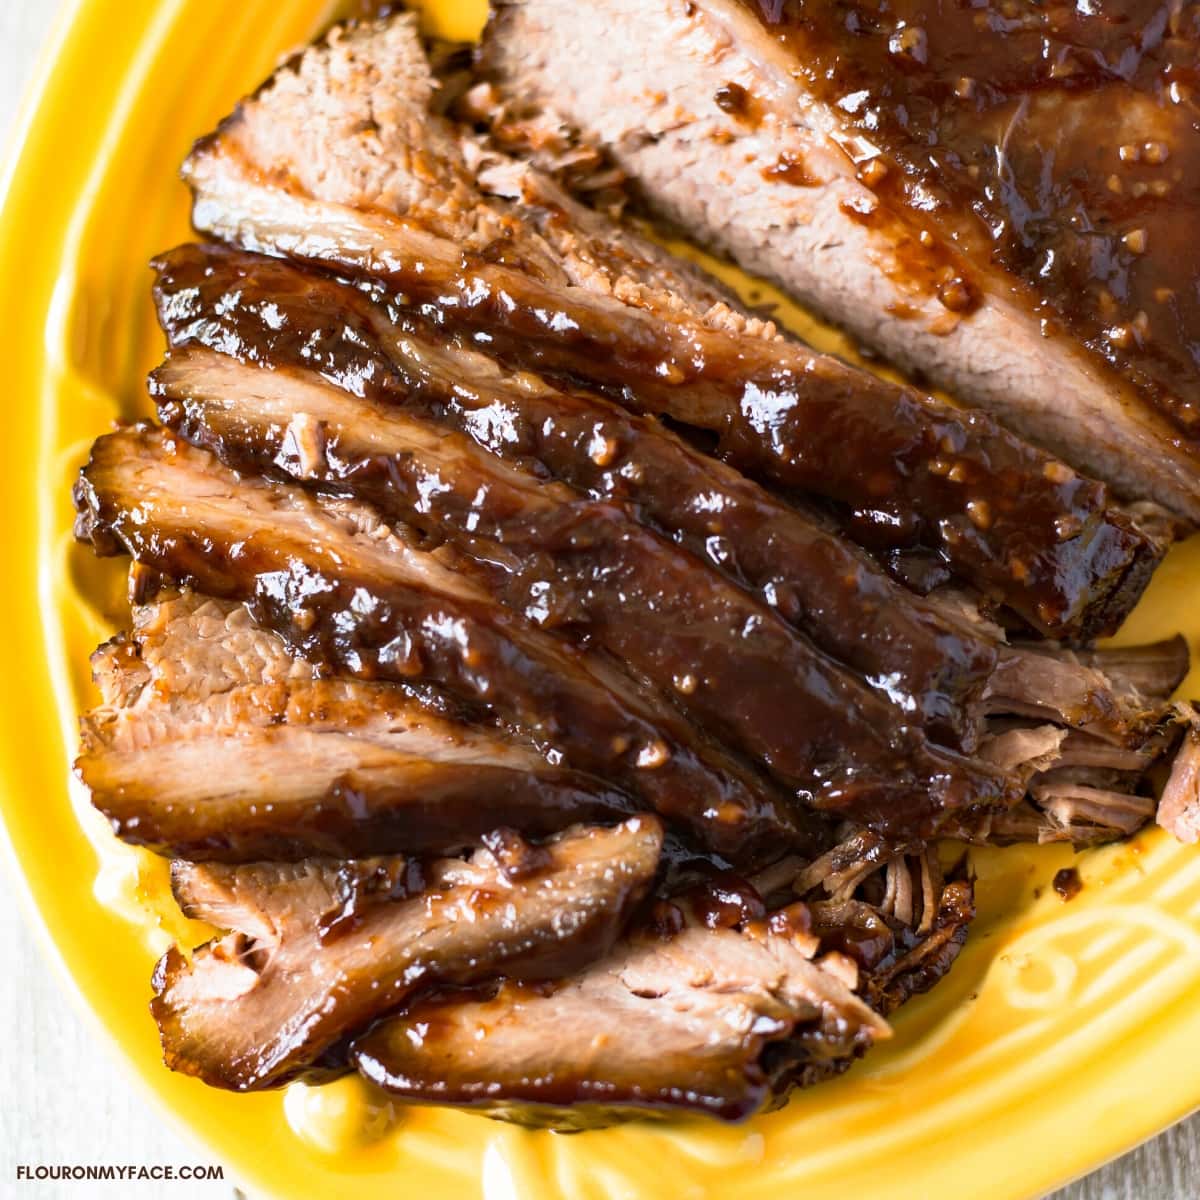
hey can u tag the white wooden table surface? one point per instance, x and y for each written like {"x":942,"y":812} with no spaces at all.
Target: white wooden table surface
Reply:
{"x":64,"y":1100}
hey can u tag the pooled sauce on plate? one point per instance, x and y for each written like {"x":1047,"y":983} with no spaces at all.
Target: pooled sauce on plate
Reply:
{"x":1060,"y":140}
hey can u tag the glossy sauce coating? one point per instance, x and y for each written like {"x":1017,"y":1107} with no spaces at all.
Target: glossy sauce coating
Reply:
{"x":570,"y":563}
{"x":1015,"y":522}
{"x":265,"y":311}
{"x":1058,"y":140}
{"x":333,"y":612}
{"x":734,"y":668}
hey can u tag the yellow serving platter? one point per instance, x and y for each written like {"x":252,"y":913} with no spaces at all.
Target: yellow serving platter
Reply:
{"x":1065,"y":1034}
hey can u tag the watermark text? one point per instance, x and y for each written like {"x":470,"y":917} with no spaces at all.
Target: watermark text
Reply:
{"x":114,"y":1173}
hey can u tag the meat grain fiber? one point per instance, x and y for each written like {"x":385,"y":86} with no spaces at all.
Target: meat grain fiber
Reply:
{"x":308,"y":766}
{"x":922,"y":176}
{"x":1179,"y":809}
{"x":317,"y":949}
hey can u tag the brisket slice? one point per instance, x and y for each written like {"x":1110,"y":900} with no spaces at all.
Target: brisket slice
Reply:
{"x":271,"y":313}
{"x":708,"y":1020}
{"x":1114,"y":696}
{"x":1016,"y":522}
{"x":569,"y":563}
{"x":353,"y":113}
{"x":719,"y":1006}
{"x":346,"y":592}
{"x":317,"y":949}
{"x":947,"y":204}
{"x":214,"y":743}
{"x":1091,"y":785}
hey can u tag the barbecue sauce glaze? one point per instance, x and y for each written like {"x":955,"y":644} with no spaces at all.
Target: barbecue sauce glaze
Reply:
{"x":276,"y":314}
{"x":1059,"y":141}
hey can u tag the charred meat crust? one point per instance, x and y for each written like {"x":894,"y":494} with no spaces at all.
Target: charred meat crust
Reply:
{"x":318,"y":949}
{"x":1007,"y":516}
{"x":343,"y":590}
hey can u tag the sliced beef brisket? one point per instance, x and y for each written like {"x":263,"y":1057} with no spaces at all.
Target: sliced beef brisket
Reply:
{"x":343,"y":590}
{"x":315,"y":950}
{"x":586,"y":570}
{"x":927,"y":177}
{"x":717,"y":1006}
{"x":1012,"y":519}
{"x":933,"y":666}
{"x":307,"y":766}
{"x":523,"y":752}
{"x":245,"y":381}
